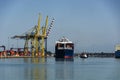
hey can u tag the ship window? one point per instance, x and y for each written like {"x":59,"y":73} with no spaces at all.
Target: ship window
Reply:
{"x":60,"y":46}
{"x":69,"y":46}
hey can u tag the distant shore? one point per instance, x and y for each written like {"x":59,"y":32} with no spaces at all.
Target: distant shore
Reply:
{"x":75,"y":55}
{"x":98,"y":54}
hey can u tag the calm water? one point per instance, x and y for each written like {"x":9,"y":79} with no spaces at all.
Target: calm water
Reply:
{"x":49,"y":69}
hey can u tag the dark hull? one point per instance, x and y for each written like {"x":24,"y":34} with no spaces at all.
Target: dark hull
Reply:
{"x":117,"y":54}
{"x":83,"y":57}
{"x":64,"y":53}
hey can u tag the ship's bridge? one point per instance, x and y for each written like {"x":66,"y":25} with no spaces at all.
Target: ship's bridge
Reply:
{"x":64,"y":40}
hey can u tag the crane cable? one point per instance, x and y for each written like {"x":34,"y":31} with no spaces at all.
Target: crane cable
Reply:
{"x":51,"y":25}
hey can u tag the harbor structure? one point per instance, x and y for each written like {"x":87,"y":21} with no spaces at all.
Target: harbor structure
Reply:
{"x":38,"y":38}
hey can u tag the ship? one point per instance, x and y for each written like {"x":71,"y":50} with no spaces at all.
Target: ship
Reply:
{"x":64,"y":48}
{"x":117,"y":51}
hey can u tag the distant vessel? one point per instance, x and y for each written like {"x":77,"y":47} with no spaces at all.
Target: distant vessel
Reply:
{"x":117,"y":51}
{"x":64,"y":48}
{"x":83,"y":55}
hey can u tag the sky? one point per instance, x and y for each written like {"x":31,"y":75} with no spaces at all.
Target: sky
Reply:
{"x":92,"y":25}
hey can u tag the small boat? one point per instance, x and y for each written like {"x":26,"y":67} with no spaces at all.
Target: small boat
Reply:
{"x":83,"y":55}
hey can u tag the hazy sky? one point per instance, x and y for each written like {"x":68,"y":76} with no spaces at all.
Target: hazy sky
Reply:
{"x":93,"y":25}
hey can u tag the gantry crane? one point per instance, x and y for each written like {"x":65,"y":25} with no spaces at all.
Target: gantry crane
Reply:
{"x":37,"y":35}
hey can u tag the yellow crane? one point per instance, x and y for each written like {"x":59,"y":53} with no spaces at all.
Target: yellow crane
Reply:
{"x":43,"y":37}
{"x":37,"y":35}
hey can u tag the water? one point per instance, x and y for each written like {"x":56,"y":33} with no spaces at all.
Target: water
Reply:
{"x":49,"y":69}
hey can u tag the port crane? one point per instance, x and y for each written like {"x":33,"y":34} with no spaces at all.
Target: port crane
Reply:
{"x":38,"y":36}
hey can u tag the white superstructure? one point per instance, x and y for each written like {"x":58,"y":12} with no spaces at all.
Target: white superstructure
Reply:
{"x":117,"y":47}
{"x":64,"y":40}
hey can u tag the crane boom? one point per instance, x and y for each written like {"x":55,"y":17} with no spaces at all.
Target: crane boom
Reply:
{"x":38,"y":27}
{"x":37,"y":36}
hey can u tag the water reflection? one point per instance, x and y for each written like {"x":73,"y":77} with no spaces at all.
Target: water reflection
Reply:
{"x":35,"y":60}
{"x":40,"y":69}
{"x":64,"y":69}
{"x":36,"y":70}
{"x":116,"y":70}
{"x":38,"y":60}
{"x":62,"y":59}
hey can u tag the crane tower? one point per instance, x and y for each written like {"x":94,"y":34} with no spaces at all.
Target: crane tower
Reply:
{"x":37,"y":35}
